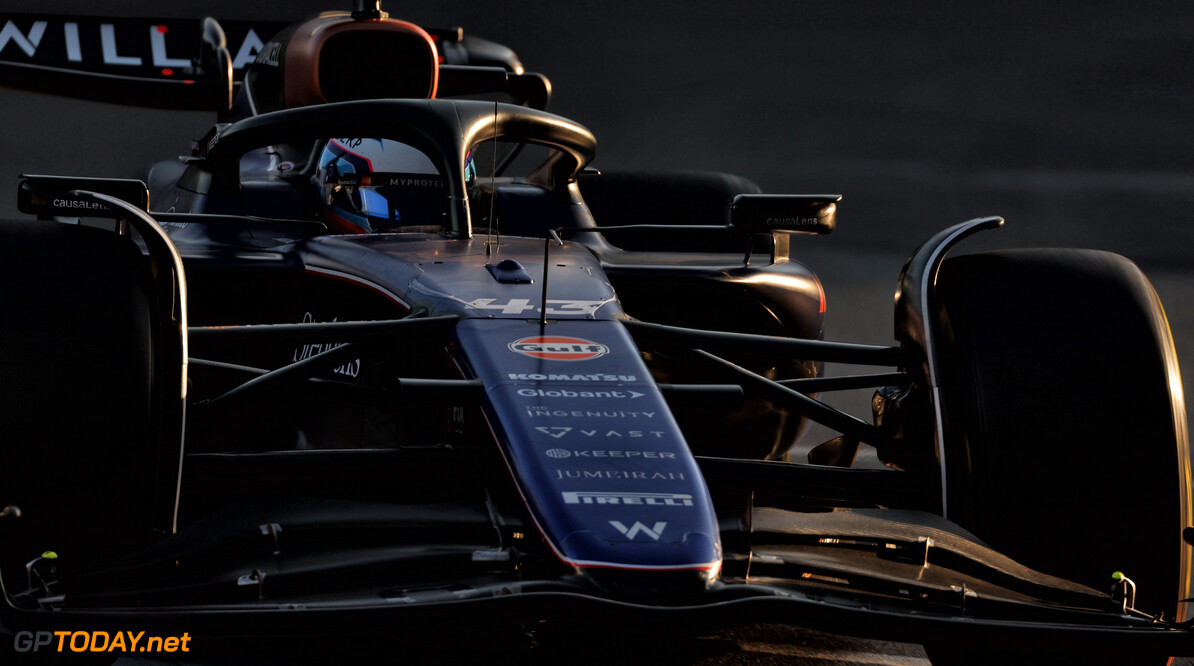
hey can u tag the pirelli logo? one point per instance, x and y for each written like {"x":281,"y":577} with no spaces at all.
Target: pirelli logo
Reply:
{"x":634,"y":499}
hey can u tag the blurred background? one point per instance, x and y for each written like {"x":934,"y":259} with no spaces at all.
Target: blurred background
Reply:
{"x":1071,"y":120}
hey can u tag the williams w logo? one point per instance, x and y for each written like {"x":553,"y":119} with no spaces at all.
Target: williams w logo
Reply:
{"x":634,"y":530}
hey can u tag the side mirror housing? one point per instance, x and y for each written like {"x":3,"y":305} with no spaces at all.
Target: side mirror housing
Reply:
{"x":783,"y":213}
{"x":51,"y":196}
{"x":780,"y":216}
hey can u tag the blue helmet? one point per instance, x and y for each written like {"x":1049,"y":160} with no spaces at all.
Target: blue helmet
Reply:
{"x":379,"y":185}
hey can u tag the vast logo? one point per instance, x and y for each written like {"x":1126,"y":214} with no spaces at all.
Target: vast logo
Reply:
{"x":559,"y":431}
{"x":558,"y":348}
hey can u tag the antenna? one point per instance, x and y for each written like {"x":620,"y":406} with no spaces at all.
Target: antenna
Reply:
{"x":368,"y":9}
{"x":492,"y":185}
{"x":551,"y":234}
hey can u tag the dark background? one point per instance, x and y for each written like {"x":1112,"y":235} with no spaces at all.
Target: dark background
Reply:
{"x":1071,"y":120}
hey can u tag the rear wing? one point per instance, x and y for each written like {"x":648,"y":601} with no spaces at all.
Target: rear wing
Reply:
{"x":157,"y":63}
{"x":188,"y":64}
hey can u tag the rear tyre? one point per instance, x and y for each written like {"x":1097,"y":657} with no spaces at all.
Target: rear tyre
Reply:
{"x":1066,"y":444}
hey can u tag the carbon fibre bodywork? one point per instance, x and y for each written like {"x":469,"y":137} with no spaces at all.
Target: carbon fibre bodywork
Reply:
{"x":504,"y":421}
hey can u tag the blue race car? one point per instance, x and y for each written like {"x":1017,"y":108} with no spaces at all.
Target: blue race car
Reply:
{"x":387,"y":358}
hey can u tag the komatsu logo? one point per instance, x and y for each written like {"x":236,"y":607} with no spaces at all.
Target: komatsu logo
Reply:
{"x":553,"y":377}
{"x":559,"y":348}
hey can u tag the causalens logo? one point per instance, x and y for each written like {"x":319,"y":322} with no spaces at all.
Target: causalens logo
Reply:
{"x":558,"y":348}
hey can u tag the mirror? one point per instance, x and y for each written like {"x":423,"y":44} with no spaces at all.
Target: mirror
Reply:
{"x":791,"y":213}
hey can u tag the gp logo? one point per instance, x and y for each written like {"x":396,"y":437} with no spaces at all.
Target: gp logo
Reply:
{"x":558,"y":348}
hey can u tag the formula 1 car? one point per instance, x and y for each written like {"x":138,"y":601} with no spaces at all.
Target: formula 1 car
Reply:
{"x":385,"y":361}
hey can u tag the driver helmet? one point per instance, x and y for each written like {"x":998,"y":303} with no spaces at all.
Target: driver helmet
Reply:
{"x":379,"y":185}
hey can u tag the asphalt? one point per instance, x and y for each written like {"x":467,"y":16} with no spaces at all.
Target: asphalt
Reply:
{"x":1070,"y":120}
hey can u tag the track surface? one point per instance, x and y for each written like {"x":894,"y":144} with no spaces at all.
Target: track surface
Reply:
{"x":1070,"y":121}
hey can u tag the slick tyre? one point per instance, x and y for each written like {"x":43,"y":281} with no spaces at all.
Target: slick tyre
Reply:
{"x":75,"y":384}
{"x":1065,"y":431}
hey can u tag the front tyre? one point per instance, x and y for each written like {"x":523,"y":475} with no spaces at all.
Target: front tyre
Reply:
{"x":1064,"y":424}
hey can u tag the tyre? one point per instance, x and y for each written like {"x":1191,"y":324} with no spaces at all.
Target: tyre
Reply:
{"x":77,"y":387}
{"x":939,"y":656}
{"x":1065,"y":437}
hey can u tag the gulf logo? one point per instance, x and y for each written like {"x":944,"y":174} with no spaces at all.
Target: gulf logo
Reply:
{"x":558,"y":348}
